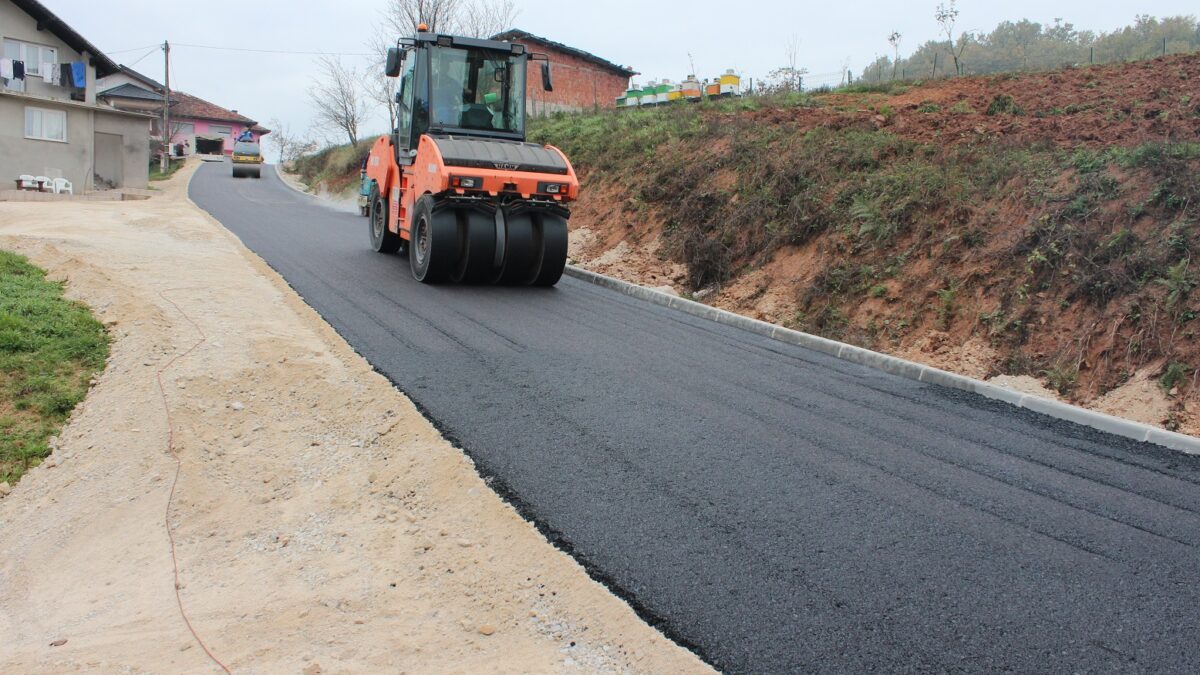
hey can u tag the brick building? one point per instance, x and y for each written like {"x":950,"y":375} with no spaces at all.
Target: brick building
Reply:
{"x":582,"y":81}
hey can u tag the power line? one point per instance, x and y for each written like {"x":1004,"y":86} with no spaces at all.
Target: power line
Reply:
{"x":152,"y":50}
{"x":273,"y":51}
{"x":135,"y":49}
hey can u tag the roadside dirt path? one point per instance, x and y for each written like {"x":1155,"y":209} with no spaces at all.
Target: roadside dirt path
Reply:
{"x":321,"y":524}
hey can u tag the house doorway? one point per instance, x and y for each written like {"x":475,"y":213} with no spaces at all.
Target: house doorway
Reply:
{"x":210,"y":146}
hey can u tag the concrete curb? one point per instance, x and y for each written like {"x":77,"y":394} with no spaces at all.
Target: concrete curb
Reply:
{"x":279,"y":175}
{"x":896,"y":366}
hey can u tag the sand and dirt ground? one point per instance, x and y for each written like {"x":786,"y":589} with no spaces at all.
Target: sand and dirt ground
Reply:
{"x":321,"y":524}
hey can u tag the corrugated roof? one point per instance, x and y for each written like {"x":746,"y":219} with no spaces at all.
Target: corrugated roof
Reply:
{"x":515,"y":34}
{"x":47,"y":20}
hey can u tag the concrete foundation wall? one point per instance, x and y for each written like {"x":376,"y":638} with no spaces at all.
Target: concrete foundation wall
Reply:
{"x":19,"y":155}
{"x":75,"y":159}
{"x":135,"y":146}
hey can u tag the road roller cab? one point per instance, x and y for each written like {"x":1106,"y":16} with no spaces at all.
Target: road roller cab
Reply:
{"x":246,"y":159}
{"x":455,"y":184}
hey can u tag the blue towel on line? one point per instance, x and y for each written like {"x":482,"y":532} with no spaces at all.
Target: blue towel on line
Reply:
{"x":78,"y":74}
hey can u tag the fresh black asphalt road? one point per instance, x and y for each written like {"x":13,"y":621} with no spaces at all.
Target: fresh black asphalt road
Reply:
{"x":774,"y":509}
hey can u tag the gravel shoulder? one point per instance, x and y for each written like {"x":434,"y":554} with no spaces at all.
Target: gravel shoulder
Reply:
{"x":321,"y":523}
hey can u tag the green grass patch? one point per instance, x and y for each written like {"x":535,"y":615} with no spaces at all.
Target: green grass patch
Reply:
{"x":156,"y":172}
{"x":888,"y":87}
{"x":50,"y":348}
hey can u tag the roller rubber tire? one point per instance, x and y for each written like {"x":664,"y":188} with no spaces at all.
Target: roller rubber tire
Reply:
{"x":554,"y":249}
{"x":382,"y":240}
{"x":237,"y":172}
{"x":521,"y":251}
{"x":477,"y":247}
{"x":257,"y":172}
{"x":433,"y":251}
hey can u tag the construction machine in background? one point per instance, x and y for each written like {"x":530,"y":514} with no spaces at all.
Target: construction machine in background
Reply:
{"x":247,"y":160}
{"x":455,"y":185}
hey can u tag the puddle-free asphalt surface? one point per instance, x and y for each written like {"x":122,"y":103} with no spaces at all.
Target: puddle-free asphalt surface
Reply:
{"x":775,"y":509}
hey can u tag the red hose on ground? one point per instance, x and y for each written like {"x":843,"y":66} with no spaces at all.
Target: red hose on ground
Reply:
{"x":178,"y":467}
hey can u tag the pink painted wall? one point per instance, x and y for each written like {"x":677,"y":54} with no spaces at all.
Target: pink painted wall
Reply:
{"x":204,"y":128}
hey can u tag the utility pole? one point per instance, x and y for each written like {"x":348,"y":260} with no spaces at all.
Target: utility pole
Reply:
{"x":166,"y":130}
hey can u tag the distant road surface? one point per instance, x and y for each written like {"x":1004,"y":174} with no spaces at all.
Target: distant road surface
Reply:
{"x":772,"y":508}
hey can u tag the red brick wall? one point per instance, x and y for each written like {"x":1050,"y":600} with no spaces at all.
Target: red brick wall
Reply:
{"x":578,"y":84}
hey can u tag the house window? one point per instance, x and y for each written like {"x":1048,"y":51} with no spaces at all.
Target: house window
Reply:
{"x":184,"y":129}
{"x":32,"y":55}
{"x":46,"y":125}
{"x":218,"y":130}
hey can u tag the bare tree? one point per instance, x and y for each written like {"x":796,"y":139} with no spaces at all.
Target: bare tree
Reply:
{"x":471,"y":18}
{"x":381,"y":89}
{"x":290,"y":145}
{"x":403,"y":16}
{"x":486,"y":18}
{"x":338,"y":97}
{"x":790,"y":77}
{"x":947,"y":17}
{"x":894,"y":41}
{"x":793,"y":56}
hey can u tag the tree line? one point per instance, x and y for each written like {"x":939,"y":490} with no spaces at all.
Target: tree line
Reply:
{"x":1029,"y":45}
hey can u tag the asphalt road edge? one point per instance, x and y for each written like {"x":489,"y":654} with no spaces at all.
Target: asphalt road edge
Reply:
{"x":901,"y":367}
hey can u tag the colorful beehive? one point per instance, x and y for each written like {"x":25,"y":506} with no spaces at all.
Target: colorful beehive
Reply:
{"x":674,"y":91}
{"x":660,"y":92}
{"x":731,"y":84}
{"x":649,"y":94}
{"x":632,"y":96}
{"x":713,"y":89}
{"x":690,"y":88}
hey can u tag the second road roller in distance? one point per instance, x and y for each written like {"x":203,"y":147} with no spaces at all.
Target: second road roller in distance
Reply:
{"x":455,"y":185}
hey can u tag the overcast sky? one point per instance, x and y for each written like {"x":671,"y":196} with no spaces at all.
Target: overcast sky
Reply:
{"x":653,"y":38}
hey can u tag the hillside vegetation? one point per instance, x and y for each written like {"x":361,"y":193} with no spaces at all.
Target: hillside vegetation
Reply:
{"x":335,"y":167}
{"x":1046,"y":221}
{"x":1027,"y":45}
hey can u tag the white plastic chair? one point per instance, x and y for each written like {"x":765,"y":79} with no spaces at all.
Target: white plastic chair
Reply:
{"x":28,"y":182}
{"x":45,"y":182}
{"x":62,"y":185}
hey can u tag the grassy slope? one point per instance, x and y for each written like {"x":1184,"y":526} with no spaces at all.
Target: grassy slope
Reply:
{"x":50,"y":348}
{"x":1053,"y":215}
{"x":337,"y":167}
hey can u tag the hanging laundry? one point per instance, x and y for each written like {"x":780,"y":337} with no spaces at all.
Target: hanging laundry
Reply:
{"x":6,"y":69}
{"x":18,"y":70}
{"x":48,"y":73}
{"x":55,"y":74}
{"x":64,"y":75}
{"x":78,"y":74}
